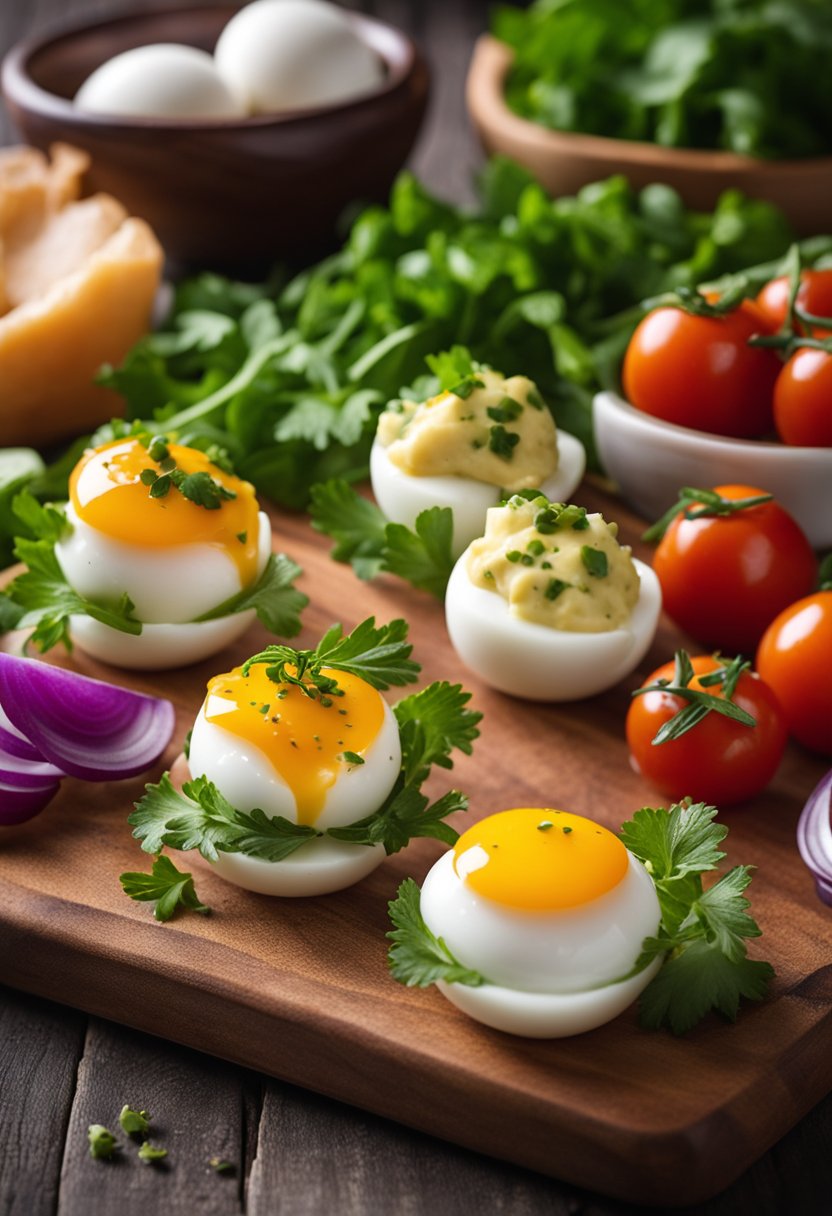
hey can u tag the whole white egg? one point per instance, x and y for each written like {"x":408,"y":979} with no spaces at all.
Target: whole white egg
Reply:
{"x":175,"y":560}
{"x":165,"y":80}
{"x":402,"y":497}
{"x":270,"y":747}
{"x":282,"y":55}
{"x":551,"y":910}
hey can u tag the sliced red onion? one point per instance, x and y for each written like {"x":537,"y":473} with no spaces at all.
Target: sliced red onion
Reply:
{"x":814,"y":836}
{"x":84,"y":727}
{"x":27,"y":774}
{"x":13,"y":742}
{"x":16,"y":806}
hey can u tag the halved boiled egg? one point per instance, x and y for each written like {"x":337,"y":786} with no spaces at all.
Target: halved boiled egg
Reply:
{"x":174,"y":557}
{"x":467,"y":449}
{"x":320,"y":762}
{"x":551,"y":910}
{"x":547,"y":605}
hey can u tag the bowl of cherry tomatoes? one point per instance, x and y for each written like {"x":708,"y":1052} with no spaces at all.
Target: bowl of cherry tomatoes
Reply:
{"x":722,"y":392}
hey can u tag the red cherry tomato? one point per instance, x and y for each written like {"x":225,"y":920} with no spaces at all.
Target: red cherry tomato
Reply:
{"x":724,"y":578}
{"x":718,"y":761}
{"x":795,"y":659}
{"x":803,"y":399}
{"x":814,"y":296}
{"x":700,"y":372}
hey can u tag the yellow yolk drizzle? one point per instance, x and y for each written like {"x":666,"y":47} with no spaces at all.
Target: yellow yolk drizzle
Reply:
{"x":303,"y":740}
{"x":107,"y":494}
{"x":540,"y":860}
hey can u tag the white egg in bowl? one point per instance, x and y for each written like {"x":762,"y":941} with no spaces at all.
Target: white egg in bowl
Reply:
{"x":542,"y":915}
{"x":175,"y":533}
{"x":468,"y":448}
{"x":547,"y":605}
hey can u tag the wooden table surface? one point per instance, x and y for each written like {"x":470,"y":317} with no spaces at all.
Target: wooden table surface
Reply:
{"x":292,"y":1151}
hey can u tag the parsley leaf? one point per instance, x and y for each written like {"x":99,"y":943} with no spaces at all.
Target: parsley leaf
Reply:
{"x":202,"y":489}
{"x":274,"y":598}
{"x":170,"y":889}
{"x":373,"y":545}
{"x":702,"y":932}
{"x":432,"y":723}
{"x":44,"y":522}
{"x":417,"y":958}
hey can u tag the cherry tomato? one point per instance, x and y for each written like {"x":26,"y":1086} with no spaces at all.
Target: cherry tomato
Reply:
{"x":795,"y":659}
{"x":724,"y":578}
{"x":700,"y":372}
{"x":803,"y":399}
{"x":814,"y":296}
{"x":718,"y":761}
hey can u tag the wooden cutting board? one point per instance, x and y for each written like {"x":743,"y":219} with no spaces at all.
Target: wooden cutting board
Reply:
{"x":299,"y":988}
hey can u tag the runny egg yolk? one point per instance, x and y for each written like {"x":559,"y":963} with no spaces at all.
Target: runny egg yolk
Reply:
{"x":303,"y":739}
{"x":107,"y":493}
{"x":540,"y":860}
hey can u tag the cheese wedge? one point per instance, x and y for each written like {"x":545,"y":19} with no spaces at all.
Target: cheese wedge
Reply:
{"x":77,"y":285}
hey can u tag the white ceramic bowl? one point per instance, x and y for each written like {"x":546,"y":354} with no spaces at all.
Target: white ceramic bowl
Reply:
{"x":650,"y":460}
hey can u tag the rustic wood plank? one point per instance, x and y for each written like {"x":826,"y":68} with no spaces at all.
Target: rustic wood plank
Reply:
{"x":316,"y":1156}
{"x":197,"y":1106}
{"x":40,"y":1046}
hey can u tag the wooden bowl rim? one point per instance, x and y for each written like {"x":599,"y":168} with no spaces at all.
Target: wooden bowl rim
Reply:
{"x":487,"y":106}
{"x":20,"y":89}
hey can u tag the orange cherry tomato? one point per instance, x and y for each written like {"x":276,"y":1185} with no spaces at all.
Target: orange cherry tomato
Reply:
{"x":700,"y":372}
{"x":795,"y":659}
{"x":803,"y":399}
{"x":724,"y":578}
{"x":814,"y":296}
{"x":719,"y":761}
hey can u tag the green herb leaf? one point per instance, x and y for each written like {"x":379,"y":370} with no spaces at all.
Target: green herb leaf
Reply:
{"x":273,"y":597}
{"x":698,"y":703}
{"x":418,"y":958}
{"x":594,"y":561}
{"x":170,"y":889}
{"x":46,"y":523}
{"x":134,"y":1122}
{"x":432,"y":723}
{"x":103,"y":1144}
{"x":502,"y":442}
{"x":149,"y":1154}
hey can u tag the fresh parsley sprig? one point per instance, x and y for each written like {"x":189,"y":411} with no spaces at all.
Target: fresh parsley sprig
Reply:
{"x":373,"y":545}
{"x":701,"y":936}
{"x":703,"y":932}
{"x":168,"y":889}
{"x":699,"y":704}
{"x":379,"y":655}
{"x":432,"y":724}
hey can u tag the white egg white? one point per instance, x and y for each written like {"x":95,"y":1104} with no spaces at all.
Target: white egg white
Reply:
{"x":169,"y":587}
{"x":165,"y":80}
{"x":529,"y":660}
{"x":551,"y":974}
{"x":402,"y":497}
{"x":247,"y":778}
{"x":283,"y":55}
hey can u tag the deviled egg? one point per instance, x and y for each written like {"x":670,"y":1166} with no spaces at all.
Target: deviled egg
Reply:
{"x":467,"y":449}
{"x":177,"y":551}
{"x":543,"y":915}
{"x":547,"y":605}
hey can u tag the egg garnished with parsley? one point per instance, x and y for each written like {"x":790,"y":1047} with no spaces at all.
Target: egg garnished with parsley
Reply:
{"x":548,"y":605}
{"x":318,"y":761}
{"x":549,"y":910}
{"x":469,"y":447}
{"x":179,"y":535}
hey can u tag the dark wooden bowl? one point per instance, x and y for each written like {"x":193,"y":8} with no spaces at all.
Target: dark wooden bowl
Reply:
{"x":233,"y":194}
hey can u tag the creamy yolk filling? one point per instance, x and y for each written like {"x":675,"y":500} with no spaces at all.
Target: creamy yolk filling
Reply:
{"x":107,"y":493}
{"x":303,"y":740}
{"x":540,"y":860}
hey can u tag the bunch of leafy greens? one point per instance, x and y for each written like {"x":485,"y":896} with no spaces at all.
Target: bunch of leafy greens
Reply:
{"x":750,"y":76}
{"x":432,"y":724}
{"x":701,"y":936}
